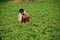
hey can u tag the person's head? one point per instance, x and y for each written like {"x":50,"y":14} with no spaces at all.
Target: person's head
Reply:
{"x":21,"y":10}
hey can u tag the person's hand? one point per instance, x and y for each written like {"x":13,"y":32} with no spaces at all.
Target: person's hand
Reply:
{"x":23,"y":17}
{"x":27,"y":16}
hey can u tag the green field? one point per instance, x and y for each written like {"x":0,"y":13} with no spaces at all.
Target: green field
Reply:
{"x":43,"y":25}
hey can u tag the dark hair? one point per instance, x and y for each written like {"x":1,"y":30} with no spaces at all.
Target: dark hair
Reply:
{"x":21,"y":10}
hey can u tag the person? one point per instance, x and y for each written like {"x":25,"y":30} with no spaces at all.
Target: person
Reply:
{"x":23,"y":16}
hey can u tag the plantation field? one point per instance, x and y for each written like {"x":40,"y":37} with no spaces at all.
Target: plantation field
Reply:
{"x":43,"y":24}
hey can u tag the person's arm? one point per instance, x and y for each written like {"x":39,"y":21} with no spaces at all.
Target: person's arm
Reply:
{"x":19,"y":17}
{"x":26,"y":13}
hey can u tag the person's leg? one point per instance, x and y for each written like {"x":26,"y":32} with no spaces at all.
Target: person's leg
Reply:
{"x":23,"y":19}
{"x":27,"y":18}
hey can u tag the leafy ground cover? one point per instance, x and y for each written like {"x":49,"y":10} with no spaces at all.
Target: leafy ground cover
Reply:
{"x":43,"y":25}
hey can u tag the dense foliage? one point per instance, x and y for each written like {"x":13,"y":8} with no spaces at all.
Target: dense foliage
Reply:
{"x":43,"y":25}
